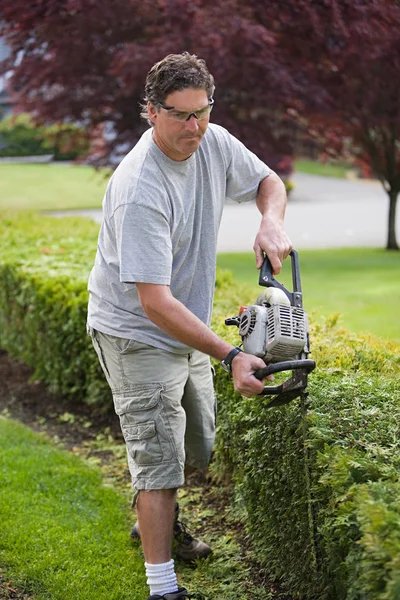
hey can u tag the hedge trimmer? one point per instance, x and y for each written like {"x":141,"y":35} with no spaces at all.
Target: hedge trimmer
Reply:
{"x":275,"y":328}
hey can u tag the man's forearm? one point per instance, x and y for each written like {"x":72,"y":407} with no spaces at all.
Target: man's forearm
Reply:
{"x":271,"y":197}
{"x":271,"y":237}
{"x":173,"y":317}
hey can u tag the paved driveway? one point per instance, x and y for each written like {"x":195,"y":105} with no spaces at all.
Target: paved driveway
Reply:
{"x":322,"y":213}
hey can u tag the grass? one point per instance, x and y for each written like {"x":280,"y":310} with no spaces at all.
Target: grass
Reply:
{"x":363,"y":285}
{"x":65,"y":523}
{"x":69,"y":187}
{"x":314,"y":167}
{"x":51,"y":187}
{"x":63,"y":533}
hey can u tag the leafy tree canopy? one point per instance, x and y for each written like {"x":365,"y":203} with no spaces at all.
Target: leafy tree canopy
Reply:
{"x":328,"y":70}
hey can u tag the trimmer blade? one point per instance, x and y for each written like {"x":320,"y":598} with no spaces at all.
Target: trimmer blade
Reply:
{"x":284,"y":398}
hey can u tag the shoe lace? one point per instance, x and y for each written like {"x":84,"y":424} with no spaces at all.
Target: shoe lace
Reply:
{"x":181,"y":532}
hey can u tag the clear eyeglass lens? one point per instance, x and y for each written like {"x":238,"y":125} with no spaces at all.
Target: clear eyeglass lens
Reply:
{"x":183,"y":116}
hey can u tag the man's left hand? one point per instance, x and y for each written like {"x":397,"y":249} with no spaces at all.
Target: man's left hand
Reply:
{"x":273,"y":240}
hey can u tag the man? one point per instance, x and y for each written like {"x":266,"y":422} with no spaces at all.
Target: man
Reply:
{"x":151,"y":293}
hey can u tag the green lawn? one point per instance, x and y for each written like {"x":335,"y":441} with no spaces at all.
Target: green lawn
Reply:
{"x":314,"y":167}
{"x":63,"y":533}
{"x":51,"y":187}
{"x":67,"y":187}
{"x":363,"y":285}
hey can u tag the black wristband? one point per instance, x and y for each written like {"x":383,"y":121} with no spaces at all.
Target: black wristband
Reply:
{"x":227,"y":362}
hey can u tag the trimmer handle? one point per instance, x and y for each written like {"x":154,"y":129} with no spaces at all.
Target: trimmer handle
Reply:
{"x":267,"y":279}
{"x":290,"y":389}
{"x":288,"y":365}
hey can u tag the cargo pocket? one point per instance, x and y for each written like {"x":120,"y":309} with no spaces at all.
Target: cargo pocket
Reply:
{"x":100,"y":354}
{"x":139,"y":412}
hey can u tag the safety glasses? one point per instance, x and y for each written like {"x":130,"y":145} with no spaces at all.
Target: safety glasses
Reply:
{"x":183,"y":116}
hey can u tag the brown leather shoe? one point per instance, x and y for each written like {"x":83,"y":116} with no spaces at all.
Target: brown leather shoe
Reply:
{"x":186,"y":546}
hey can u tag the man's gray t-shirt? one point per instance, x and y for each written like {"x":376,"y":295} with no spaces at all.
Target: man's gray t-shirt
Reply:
{"x":160,"y":225}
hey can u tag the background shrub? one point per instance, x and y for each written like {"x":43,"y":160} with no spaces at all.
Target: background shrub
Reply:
{"x":20,"y":136}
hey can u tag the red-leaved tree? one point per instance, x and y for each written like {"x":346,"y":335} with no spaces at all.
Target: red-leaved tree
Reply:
{"x":347,"y":57}
{"x":330,"y":68}
{"x":86,"y":61}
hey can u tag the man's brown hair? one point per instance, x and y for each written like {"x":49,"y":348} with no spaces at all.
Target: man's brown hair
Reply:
{"x":176,"y":72}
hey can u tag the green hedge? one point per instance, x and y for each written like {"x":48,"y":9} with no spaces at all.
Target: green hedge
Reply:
{"x":316,"y":483}
{"x":44,"y":266}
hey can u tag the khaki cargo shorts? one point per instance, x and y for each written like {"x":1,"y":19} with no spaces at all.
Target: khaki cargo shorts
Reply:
{"x":166,"y":406}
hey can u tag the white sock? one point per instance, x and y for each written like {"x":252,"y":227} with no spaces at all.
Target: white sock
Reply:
{"x":161,"y":578}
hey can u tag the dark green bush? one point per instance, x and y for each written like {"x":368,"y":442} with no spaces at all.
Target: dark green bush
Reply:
{"x":44,"y":267}
{"x":20,"y":136}
{"x":316,"y":482}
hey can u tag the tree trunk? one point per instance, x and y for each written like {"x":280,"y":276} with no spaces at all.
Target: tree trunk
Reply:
{"x":391,"y":240}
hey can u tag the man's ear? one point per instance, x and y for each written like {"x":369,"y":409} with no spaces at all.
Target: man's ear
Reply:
{"x":152,"y":112}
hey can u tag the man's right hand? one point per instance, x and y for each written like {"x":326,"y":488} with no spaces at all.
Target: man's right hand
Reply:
{"x":243,"y":369}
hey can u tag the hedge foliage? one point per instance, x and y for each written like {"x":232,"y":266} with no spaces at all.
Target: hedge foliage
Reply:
{"x":317,"y":482}
{"x":44,"y":266}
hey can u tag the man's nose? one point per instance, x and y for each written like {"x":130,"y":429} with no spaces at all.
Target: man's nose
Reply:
{"x":191,"y":123}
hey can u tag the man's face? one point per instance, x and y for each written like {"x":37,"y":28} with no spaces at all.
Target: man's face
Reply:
{"x":178,"y":140}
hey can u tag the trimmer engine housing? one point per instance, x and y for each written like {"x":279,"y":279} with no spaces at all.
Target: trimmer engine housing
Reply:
{"x":274,"y":332}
